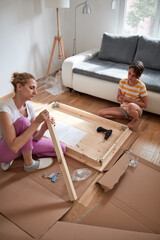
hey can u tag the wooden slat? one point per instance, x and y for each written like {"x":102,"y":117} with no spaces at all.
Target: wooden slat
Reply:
{"x":85,"y":114}
{"x":118,"y":142}
{"x":62,"y":163}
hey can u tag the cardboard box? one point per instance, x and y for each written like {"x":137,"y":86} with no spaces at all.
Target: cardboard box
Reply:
{"x":72,"y":231}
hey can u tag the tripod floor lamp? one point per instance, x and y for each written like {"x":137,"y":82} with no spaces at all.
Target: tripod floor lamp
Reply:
{"x":86,"y":10}
{"x":61,"y":52}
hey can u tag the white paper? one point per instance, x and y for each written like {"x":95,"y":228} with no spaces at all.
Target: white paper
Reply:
{"x":67,"y":134}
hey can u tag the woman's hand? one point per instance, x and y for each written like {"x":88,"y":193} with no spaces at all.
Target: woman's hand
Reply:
{"x":43,"y":116}
{"x":44,"y":125}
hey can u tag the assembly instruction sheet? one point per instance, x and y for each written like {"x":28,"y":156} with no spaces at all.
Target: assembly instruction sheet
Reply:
{"x":67,"y":134}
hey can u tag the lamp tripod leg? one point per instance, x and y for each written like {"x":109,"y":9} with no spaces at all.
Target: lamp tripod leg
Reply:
{"x":62,"y":49}
{"x":51,"y":56}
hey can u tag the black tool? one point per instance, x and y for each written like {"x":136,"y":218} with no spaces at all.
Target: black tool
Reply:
{"x":105,"y":131}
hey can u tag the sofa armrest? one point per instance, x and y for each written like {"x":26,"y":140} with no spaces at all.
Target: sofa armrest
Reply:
{"x":69,"y":63}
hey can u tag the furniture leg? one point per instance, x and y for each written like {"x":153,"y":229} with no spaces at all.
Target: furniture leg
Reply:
{"x":52,"y":52}
{"x":62,"y":163}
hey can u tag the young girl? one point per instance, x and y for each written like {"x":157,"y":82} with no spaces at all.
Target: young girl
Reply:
{"x":132,"y":95}
{"x":19,"y":133}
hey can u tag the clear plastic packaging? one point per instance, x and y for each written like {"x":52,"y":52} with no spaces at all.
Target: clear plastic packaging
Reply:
{"x":133,"y":160}
{"x":52,"y":84}
{"x":133,"y":163}
{"x":81,"y":174}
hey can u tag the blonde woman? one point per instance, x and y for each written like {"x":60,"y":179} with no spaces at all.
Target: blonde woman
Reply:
{"x":20,"y":133}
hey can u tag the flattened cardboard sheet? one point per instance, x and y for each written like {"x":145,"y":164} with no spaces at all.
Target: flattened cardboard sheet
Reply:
{"x":147,"y":163}
{"x":34,"y":203}
{"x":29,"y":205}
{"x":133,"y":204}
{"x":9,"y":230}
{"x":59,"y":188}
{"x":72,"y":231}
{"x":110,"y":178}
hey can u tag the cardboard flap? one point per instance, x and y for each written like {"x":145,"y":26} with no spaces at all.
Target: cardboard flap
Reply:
{"x":72,"y":231}
{"x":33,"y":209}
{"x":34,"y":203}
{"x":112,"y":177}
{"x":133,"y":204}
{"x":9,"y":230}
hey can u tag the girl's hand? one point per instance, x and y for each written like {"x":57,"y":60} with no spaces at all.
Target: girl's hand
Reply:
{"x":120,"y":96}
{"x":126,"y":99}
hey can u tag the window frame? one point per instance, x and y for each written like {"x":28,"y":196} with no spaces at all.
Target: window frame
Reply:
{"x":122,"y":14}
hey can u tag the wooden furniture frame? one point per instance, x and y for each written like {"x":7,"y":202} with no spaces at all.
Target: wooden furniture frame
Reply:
{"x":92,"y":150}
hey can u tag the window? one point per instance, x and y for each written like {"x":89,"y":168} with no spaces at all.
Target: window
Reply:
{"x":141,"y":17}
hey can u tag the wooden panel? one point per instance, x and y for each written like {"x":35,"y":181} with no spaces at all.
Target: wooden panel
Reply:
{"x":92,"y":149}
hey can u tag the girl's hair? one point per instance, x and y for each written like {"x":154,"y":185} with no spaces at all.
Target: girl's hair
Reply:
{"x":138,"y":68}
{"x":21,"y":78}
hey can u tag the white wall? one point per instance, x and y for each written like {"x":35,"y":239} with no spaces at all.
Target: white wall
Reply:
{"x":27,"y":30}
{"x":90,"y":27}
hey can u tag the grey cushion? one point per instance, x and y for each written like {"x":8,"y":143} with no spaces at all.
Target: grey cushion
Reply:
{"x":100,"y":69}
{"x":118,"y":48}
{"x":148,"y":51}
{"x":114,"y":72}
{"x":151,"y":78}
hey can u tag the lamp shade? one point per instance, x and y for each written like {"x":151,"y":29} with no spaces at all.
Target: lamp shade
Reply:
{"x":57,"y":3}
{"x":86,"y":9}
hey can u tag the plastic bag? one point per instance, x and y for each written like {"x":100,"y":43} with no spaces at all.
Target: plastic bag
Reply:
{"x":81,"y":174}
{"x":133,"y":160}
{"x":133,"y":163}
{"x":52,"y":84}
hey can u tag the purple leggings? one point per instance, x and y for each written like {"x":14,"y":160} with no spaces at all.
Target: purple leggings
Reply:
{"x":43,"y":148}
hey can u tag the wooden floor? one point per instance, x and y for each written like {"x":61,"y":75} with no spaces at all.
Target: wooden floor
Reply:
{"x":146,"y":146}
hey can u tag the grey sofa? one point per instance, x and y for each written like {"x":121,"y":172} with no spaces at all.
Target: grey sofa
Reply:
{"x":98,"y":72}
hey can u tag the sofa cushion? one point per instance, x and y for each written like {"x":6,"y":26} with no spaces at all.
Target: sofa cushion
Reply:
{"x":105,"y":70}
{"x":118,"y":48}
{"x":148,"y":51}
{"x":114,"y":72}
{"x":151,"y":78}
